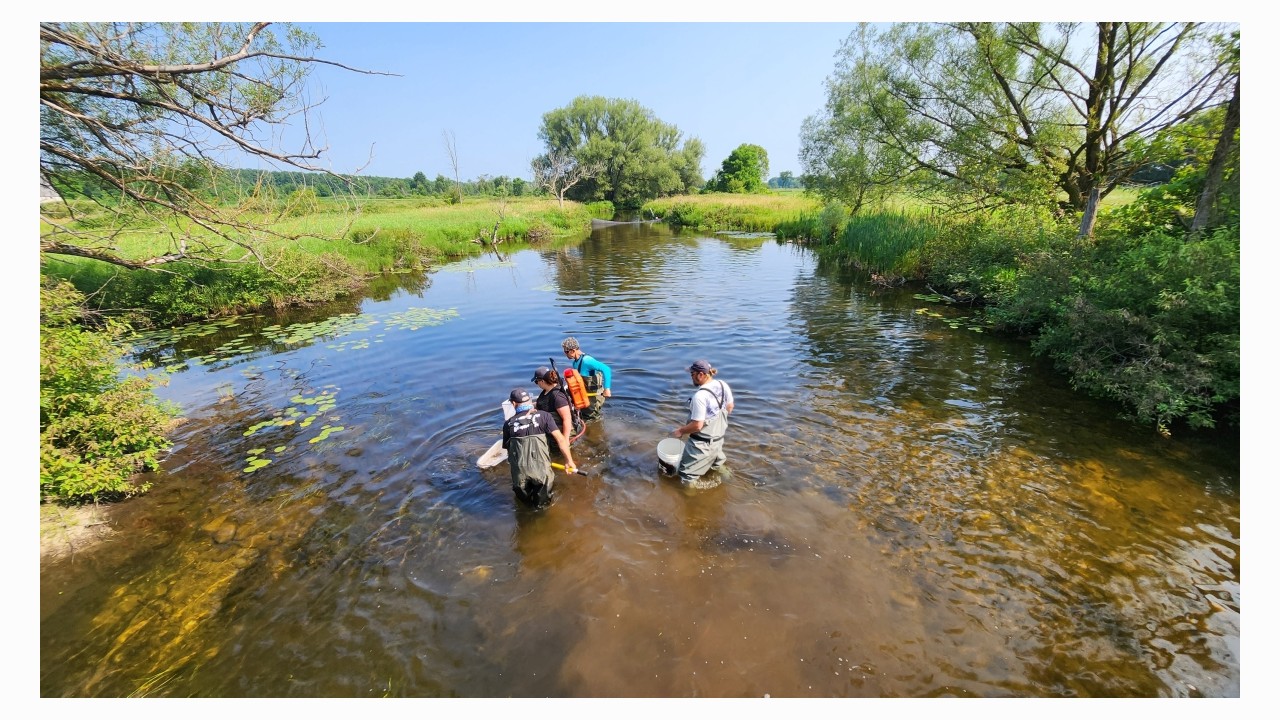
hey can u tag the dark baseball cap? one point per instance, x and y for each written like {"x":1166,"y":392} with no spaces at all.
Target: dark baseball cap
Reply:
{"x":700,"y":366}
{"x":541,"y":373}
{"x":519,"y":396}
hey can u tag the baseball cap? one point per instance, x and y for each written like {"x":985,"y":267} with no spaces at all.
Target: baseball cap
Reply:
{"x":541,"y":373}
{"x":519,"y":396}
{"x":700,"y":366}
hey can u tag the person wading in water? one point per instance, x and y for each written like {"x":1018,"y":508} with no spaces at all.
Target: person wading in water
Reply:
{"x":597,"y":376}
{"x":709,"y":410}
{"x":556,"y":401}
{"x":524,"y":436}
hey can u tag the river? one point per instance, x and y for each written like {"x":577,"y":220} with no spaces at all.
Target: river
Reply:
{"x":911,"y":507}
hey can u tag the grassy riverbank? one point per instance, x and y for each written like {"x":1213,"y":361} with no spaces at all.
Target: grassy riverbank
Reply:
{"x":315,"y":251}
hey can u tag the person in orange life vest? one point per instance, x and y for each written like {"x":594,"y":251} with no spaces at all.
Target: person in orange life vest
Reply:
{"x":597,"y":376}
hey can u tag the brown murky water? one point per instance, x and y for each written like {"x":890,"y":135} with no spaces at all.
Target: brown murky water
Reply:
{"x":909,"y":510}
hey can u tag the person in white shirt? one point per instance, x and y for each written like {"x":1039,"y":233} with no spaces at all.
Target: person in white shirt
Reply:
{"x":709,"y":409}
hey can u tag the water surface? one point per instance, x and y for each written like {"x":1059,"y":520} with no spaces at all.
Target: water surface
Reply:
{"x":909,"y":509}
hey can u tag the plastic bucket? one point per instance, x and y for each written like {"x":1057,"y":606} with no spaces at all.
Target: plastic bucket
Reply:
{"x":669,"y":452}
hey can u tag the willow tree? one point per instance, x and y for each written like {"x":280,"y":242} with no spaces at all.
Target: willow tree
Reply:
{"x":638,"y":156}
{"x":989,"y":113}
{"x":150,"y":114}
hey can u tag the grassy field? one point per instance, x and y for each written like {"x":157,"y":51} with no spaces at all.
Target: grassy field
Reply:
{"x":732,"y":211}
{"x":368,"y":233}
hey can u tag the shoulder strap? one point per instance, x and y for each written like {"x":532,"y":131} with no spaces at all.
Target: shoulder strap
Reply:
{"x":719,"y":400}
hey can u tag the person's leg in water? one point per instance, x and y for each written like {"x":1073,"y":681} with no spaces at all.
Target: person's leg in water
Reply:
{"x":533,"y":493}
{"x":596,"y":392}
{"x":699,"y":457}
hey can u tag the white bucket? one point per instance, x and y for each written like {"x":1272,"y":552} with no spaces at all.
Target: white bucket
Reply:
{"x":669,"y":452}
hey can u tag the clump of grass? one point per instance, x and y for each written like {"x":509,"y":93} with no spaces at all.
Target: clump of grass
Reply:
{"x":888,"y":244}
{"x":730,"y":211}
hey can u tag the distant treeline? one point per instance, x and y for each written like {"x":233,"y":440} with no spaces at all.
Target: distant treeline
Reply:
{"x":235,"y":184}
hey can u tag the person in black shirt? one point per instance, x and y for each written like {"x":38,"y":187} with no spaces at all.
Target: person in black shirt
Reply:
{"x":555,"y":400}
{"x":524,"y":436}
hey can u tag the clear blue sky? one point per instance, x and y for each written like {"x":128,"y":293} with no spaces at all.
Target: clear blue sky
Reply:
{"x":490,"y":84}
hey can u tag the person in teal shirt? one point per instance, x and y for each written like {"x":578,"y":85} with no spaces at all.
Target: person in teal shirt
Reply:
{"x":597,"y":377}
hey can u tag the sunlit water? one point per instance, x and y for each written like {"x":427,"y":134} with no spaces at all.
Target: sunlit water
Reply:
{"x":909,"y":509}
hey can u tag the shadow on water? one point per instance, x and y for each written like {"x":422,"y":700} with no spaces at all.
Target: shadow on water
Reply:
{"x":909,"y":510}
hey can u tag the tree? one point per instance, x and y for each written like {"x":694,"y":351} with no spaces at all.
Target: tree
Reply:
{"x":985,"y":113}
{"x":559,"y":172}
{"x":451,"y":147}
{"x":419,"y":182}
{"x":640,"y":156}
{"x":743,"y":171}
{"x":150,"y":112}
{"x":786,"y":180}
{"x":1226,"y":147}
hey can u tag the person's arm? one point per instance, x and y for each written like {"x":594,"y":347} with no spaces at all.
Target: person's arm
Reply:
{"x":566,"y":420}
{"x":606,"y":376}
{"x":563,"y":442}
{"x":728,"y":391}
{"x":688,"y":428}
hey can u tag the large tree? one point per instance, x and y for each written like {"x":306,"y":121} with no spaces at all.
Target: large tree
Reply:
{"x":987,"y":113}
{"x":744,"y":171}
{"x":639,"y":156}
{"x":149,"y":114}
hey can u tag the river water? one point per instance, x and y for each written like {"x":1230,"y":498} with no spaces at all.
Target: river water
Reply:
{"x":911,"y":508}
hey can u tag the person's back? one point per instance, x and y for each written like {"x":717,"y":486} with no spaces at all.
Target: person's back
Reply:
{"x":524,"y":436}
{"x":527,"y":436}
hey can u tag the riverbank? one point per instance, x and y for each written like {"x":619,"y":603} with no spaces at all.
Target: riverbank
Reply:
{"x":330,"y":251}
{"x":66,"y":531}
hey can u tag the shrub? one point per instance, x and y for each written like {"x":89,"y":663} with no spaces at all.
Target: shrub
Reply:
{"x":982,"y":258}
{"x":96,"y":429}
{"x":1154,"y":322}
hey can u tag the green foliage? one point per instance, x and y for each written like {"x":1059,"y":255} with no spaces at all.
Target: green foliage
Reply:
{"x":786,"y":180}
{"x":743,"y":171}
{"x":1154,"y":322}
{"x":984,"y":114}
{"x":96,"y":430}
{"x":187,"y":291}
{"x":601,"y":209}
{"x":887,"y":244}
{"x":977,"y":258}
{"x":642,"y":157}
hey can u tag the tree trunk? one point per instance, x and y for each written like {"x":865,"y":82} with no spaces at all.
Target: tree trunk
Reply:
{"x":1090,"y":213}
{"x":1206,"y":206}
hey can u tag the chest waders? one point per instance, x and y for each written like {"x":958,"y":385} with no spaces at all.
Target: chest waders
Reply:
{"x":704,"y":450}
{"x":595,"y":384}
{"x":531,"y":474}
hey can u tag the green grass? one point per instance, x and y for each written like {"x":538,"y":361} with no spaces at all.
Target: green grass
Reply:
{"x":732,"y":211}
{"x":313,"y":256}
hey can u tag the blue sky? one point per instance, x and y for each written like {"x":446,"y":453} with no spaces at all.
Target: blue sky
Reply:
{"x":490,"y":83}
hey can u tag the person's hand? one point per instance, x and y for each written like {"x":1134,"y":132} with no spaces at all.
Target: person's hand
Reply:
{"x":570,"y":468}
{"x":675,"y":433}
{"x":608,"y":392}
